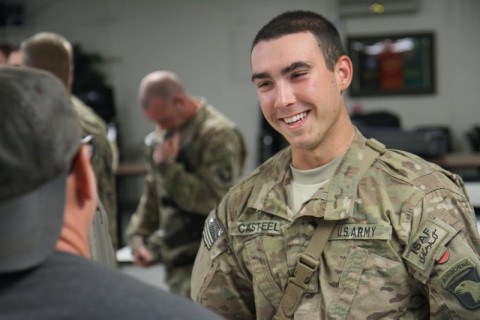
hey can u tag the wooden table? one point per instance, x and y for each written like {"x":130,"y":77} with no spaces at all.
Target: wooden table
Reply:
{"x":458,"y":160}
{"x":131,"y":169}
{"x":126,"y":171}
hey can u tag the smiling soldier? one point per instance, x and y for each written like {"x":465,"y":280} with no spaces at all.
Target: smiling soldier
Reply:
{"x":360,"y":231}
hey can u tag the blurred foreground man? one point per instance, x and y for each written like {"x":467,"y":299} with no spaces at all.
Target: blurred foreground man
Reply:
{"x":48,"y":197}
{"x":53,"y":53}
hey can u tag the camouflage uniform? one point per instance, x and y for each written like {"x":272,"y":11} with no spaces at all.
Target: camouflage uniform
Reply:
{"x":405,"y":245}
{"x":178,"y":195}
{"x":102,"y":236}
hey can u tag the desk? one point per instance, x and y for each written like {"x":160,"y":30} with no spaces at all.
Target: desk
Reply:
{"x":458,"y":160}
{"x":131,"y":169}
{"x":449,"y":160}
{"x":464,"y":161}
{"x":473,"y":190}
{"x":129,"y":178}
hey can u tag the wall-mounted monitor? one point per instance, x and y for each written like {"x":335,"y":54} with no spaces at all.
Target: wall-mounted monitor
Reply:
{"x":11,"y":13}
{"x":392,"y":64}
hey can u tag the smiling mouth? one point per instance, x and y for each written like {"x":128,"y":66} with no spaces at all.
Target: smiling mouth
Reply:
{"x":295,"y":118}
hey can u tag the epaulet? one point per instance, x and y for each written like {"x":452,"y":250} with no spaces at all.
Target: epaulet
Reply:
{"x":376,"y":145}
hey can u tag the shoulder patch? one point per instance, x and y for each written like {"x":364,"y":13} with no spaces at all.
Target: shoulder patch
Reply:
{"x":211,"y":231}
{"x":455,"y":270}
{"x":427,"y":243}
{"x":467,"y":289}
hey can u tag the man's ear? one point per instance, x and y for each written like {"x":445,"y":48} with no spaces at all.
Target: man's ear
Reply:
{"x":344,"y":72}
{"x":179,"y":99}
{"x":85,"y":183}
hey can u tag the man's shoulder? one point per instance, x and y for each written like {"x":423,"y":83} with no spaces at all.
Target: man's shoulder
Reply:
{"x":215,"y":119}
{"x":416,"y":171}
{"x":126,"y":296}
{"x":410,"y":163}
{"x":263,"y":177}
{"x":216,"y":130}
{"x":89,"y":120}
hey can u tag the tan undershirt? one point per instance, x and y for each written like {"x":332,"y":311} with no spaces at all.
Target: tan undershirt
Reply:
{"x":306,"y":182}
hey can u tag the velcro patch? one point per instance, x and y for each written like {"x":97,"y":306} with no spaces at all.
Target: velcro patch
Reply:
{"x":253,"y":227}
{"x":426,"y":244}
{"x":355,"y":231}
{"x":211,"y":231}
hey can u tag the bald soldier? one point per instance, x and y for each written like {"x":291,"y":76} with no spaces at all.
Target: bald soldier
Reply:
{"x":194,"y":156}
{"x":335,"y":226}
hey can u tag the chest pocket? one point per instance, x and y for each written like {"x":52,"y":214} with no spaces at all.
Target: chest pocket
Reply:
{"x":368,"y":283}
{"x":266,"y":274}
{"x":348,"y":282}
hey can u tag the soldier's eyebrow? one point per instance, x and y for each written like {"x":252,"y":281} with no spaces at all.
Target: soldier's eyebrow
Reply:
{"x":286,"y":70}
{"x":294,"y":66}
{"x":261,"y":75}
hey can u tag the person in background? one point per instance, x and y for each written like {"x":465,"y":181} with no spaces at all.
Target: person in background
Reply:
{"x":335,"y":226}
{"x":194,"y":156}
{"x":48,"y":197}
{"x":53,"y":53}
{"x":15,"y":57}
{"x":5,"y":50}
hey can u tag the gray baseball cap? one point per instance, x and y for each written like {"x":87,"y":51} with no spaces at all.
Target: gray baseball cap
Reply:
{"x":39,"y":138}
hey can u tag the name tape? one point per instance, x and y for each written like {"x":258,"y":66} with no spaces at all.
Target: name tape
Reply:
{"x":362,"y":232}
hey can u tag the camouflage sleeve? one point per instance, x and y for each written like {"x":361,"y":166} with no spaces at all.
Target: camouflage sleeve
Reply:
{"x":104,"y":171}
{"x":103,"y":163}
{"x":217,"y":280}
{"x":145,"y":219}
{"x":443,"y":254}
{"x":99,"y":242}
{"x":220,"y":164}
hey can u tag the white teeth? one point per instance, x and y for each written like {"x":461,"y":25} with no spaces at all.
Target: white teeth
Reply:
{"x":295,"y":118}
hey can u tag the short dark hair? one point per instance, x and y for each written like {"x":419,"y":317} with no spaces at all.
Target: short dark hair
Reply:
{"x":290,"y":22}
{"x":51,"y":52}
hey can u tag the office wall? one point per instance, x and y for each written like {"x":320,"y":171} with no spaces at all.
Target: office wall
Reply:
{"x":207,"y":43}
{"x":456,"y":102}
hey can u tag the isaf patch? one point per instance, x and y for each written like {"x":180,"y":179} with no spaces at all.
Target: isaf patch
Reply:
{"x":427,"y":243}
{"x":211,"y":231}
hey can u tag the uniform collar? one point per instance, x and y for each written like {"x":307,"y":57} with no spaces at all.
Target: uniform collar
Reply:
{"x":269,"y":195}
{"x":188,"y":131}
{"x":342,"y":192}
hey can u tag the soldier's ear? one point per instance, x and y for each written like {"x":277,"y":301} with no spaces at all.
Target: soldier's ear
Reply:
{"x":344,"y":72}
{"x":84,"y":178}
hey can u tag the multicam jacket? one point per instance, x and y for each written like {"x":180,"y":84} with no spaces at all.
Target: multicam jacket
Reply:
{"x":178,"y":195}
{"x":405,"y":245}
{"x":103,"y":233}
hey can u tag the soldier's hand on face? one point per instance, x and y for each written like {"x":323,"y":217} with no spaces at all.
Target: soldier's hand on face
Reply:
{"x":141,"y":257}
{"x":168,"y":149}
